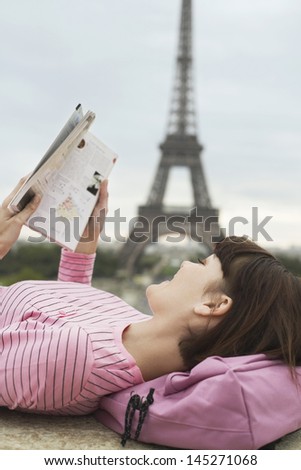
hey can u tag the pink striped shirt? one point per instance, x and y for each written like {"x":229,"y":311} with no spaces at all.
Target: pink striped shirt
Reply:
{"x":61,"y":342}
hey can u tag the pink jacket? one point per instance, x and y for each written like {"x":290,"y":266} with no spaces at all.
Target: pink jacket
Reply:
{"x":223,"y":403}
{"x":61,"y":342}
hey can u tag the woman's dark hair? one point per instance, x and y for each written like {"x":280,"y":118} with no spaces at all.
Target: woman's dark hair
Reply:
{"x":265,"y":316}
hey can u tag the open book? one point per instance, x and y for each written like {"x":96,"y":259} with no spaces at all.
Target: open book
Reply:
{"x":68,"y":178}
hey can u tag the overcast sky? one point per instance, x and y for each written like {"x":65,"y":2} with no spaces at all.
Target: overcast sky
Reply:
{"x":117,"y":57}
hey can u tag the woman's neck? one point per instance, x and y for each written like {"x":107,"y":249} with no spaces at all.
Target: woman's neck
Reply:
{"x":154,"y":348}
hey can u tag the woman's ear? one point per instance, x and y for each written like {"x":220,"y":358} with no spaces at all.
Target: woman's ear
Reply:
{"x":217,"y":307}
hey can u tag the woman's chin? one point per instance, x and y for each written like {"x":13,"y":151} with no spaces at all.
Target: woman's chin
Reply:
{"x":153,"y":287}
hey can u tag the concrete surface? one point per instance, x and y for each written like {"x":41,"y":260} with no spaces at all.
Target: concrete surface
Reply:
{"x":37,"y":432}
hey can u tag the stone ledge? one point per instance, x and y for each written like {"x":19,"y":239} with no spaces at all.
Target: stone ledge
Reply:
{"x":21,"y":431}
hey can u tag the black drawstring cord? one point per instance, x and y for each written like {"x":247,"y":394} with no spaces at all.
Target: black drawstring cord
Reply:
{"x":132,"y":406}
{"x":136,"y":403}
{"x":145,"y":404}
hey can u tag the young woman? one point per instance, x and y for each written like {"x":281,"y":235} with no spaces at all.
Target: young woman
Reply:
{"x":64,"y":344}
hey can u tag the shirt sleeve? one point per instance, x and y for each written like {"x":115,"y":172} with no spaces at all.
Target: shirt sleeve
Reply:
{"x":76,"y":267}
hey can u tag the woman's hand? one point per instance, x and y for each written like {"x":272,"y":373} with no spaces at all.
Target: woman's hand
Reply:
{"x":89,"y":239}
{"x":11,"y":224}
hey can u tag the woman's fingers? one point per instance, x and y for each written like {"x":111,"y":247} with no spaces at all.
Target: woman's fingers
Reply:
{"x":102,"y":201}
{"x":14,"y":192}
{"x":28,"y":210}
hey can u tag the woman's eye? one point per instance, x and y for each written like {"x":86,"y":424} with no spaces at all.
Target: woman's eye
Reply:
{"x":201,"y":261}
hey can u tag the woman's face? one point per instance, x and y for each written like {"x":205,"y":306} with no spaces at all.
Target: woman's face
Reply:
{"x":187,"y":288}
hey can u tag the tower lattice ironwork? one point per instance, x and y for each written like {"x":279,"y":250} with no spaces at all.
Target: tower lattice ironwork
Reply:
{"x":181,"y":148}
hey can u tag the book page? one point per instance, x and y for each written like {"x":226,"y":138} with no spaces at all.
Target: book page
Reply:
{"x":72,"y":122}
{"x":72,"y":190}
{"x":39,"y":178}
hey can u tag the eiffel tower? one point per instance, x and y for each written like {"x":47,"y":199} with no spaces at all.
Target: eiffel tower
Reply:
{"x":181,"y":148}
